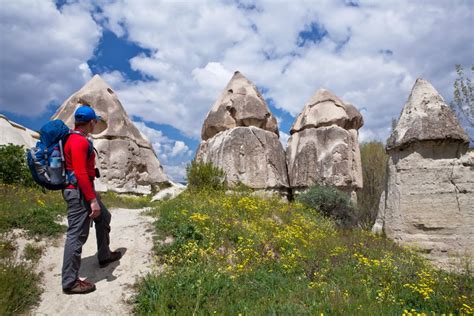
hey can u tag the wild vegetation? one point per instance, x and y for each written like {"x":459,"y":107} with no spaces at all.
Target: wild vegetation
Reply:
{"x":235,"y":253}
{"x":23,"y":205}
{"x":374,"y":167}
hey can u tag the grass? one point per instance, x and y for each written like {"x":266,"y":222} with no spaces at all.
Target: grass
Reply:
{"x":19,"y":284}
{"x":112,"y":199}
{"x":32,"y":210}
{"x":239,"y":254}
{"x":38,"y":213}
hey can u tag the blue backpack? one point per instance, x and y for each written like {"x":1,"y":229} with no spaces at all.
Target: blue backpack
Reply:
{"x":46,"y":160}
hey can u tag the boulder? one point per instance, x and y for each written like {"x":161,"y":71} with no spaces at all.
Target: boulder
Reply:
{"x":324,"y":148}
{"x":428,"y":201}
{"x":126,"y":159}
{"x":240,"y":104}
{"x":169,"y":193}
{"x":16,"y":134}
{"x":250,"y":155}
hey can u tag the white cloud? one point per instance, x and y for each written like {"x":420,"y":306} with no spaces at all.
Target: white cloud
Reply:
{"x":180,"y":148}
{"x":284,"y":138}
{"x":44,"y":53}
{"x":371,"y":55}
{"x":172,"y":154}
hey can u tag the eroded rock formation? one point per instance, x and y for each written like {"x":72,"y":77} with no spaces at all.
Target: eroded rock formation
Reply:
{"x":240,"y":104}
{"x":126,"y":158}
{"x":16,"y":134}
{"x":429,"y":194}
{"x":240,"y":135}
{"x":324,"y":147}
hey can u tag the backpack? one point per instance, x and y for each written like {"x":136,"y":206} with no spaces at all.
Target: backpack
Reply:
{"x":46,"y":160}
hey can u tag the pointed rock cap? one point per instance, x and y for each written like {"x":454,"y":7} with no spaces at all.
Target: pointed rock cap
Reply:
{"x":325,"y":109}
{"x":425,"y":117}
{"x":240,"y":104}
{"x":100,"y":96}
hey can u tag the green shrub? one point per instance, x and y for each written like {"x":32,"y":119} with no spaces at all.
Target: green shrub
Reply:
{"x":332,"y":203}
{"x":204,"y":176}
{"x":13,"y":167}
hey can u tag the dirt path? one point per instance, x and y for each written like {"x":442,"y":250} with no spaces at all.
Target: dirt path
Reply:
{"x":131,"y":232}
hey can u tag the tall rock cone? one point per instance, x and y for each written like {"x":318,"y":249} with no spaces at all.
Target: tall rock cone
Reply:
{"x":126,"y":158}
{"x":240,"y":136}
{"x":429,"y":192}
{"x":240,"y":104}
{"x":324,"y":147}
{"x":425,"y":117}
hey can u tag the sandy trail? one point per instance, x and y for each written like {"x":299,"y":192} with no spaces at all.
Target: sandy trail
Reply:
{"x":132,"y":233}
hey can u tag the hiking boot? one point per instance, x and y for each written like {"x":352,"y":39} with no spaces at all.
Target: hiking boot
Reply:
{"x":114,"y":256}
{"x":80,"y":287}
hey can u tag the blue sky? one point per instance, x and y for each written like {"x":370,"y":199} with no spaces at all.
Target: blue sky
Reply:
{"x":169,"y":61}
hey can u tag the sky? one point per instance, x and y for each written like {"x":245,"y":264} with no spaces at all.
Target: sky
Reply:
{"x":168,"y":61}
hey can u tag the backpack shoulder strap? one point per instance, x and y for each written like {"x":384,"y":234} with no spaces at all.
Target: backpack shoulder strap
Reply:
{"x":91,"y":146}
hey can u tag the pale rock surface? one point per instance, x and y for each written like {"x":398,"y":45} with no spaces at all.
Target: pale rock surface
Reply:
{"x":323,"y":147}
{"x":16,"y":134}
{"x":169,"y":193}
{"x":249,"y":155}
{"x":126,"y":159}
{"x":240,"y":104}
{"x":425,"y":117}
{"x":428,"y":201}
{"x":326,"y":109}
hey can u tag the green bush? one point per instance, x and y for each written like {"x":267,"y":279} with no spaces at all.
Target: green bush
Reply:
{"x":204,"y":176}
{"x":13,"y":168}
{"x":332,"y":203}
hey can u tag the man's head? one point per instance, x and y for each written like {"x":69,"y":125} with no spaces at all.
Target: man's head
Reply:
{"x":86,"y":119}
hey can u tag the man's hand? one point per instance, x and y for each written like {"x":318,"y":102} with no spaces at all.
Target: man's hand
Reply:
{"x":95,"y":207}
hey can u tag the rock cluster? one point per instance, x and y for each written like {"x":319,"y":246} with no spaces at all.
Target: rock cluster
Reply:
{"x":240,"y":136}
{"x":429,"y":193}
{"x":16,"y":134}
{"x":126,"y":158}
{"x":324,"y":147}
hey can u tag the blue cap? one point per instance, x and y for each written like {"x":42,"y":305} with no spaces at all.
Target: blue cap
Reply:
{"x":85,"y":113}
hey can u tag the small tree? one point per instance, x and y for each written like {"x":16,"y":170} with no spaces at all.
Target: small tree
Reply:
{"x":464,"y":94}
{"x":463,"y":100}
{"x":374,"y":164}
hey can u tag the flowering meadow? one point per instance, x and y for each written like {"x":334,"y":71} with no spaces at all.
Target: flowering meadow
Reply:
{"x":237,"y":254}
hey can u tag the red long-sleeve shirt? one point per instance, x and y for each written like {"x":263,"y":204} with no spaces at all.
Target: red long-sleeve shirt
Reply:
{"x":76,"y":152}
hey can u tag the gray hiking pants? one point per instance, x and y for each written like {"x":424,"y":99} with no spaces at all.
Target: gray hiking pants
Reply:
{"x":78,"y":219}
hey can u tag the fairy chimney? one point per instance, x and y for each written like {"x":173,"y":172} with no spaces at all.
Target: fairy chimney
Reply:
{"x":126,"y":158}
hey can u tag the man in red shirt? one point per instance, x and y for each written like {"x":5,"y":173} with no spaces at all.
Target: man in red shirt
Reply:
{"x":83,"y":204}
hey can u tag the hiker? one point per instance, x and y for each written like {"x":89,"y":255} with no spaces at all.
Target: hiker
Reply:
{"x":83,"y":204}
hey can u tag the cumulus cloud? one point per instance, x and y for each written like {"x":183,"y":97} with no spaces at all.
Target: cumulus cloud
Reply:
{"x":173,"y":154}
{"x":369,"y":55}
{"x":44,"y":53}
